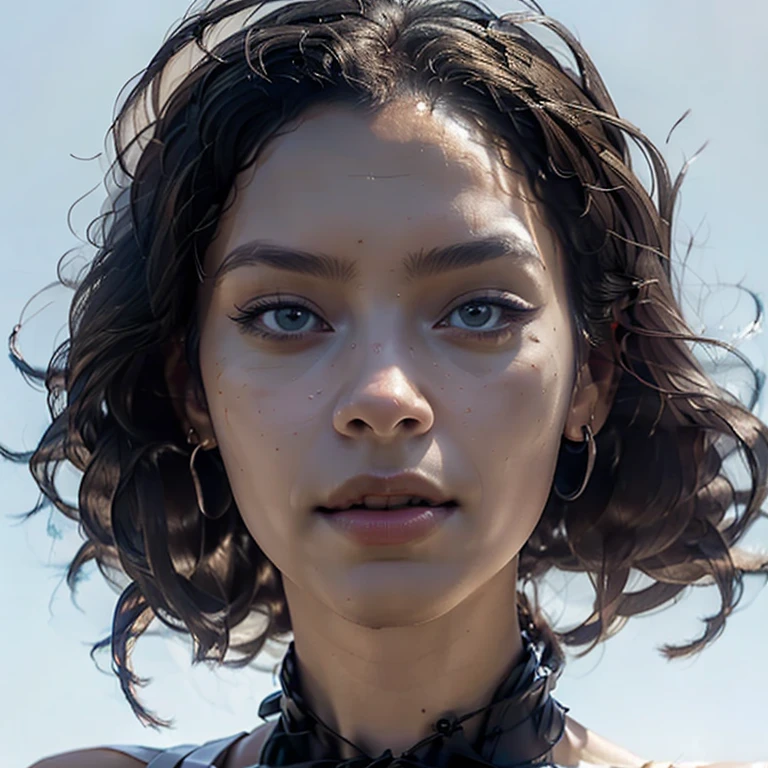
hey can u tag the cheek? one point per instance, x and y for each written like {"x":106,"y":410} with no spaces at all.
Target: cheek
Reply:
{"x":514,"y":425}
{"x":524,"y":398}
{"x":519,"y":415}
{"x":250,"y":392}
{"x":261,"y":418}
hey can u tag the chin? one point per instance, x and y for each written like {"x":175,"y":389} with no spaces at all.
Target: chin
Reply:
{"x":390,"y":616}
{"x":395,"y":594}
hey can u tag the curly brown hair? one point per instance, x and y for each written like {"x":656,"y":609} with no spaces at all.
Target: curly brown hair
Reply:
{"x":224,"y":83}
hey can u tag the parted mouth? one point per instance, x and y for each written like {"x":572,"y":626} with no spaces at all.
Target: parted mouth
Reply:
{"x":387,"y":492}
{"x":391,"y":502}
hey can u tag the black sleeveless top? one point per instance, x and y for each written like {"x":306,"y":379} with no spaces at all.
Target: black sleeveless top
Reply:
{"x":519,"y":728}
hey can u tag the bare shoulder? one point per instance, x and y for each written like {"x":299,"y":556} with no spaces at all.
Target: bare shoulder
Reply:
{"x":246,"y":752}
{"x":101,"y":757}
{"x":579,"y":744}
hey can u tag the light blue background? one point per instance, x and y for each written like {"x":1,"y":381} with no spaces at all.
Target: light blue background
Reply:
{"x":62,"y":64}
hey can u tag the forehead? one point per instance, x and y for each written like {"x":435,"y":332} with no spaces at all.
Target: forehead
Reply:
{"x":406,"y":139}
{"x":405,"y":172}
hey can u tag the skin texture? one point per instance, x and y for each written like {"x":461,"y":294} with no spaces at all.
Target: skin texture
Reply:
{"x":383,"y":380}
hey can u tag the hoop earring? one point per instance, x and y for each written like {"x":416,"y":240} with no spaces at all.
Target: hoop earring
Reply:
{"x":196,"y":477}
{"x":587,"y":445}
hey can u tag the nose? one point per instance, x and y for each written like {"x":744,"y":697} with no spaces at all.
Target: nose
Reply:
{"x":384,"y":404}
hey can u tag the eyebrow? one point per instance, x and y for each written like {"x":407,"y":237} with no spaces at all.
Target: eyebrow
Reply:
{"x":415,"y":265}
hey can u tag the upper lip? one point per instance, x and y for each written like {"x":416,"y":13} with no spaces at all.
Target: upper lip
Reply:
{"x":353,"y":490}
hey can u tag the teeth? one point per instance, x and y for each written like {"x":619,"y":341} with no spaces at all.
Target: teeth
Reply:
{"x":387,"y":502}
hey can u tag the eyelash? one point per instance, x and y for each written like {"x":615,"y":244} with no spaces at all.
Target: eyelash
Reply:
{"x":512,"y":311}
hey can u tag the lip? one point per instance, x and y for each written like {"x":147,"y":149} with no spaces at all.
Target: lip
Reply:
{"x":352,"y":491}
{"x":382,"y":527}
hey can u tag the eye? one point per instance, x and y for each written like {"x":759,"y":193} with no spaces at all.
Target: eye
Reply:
{"x":279,"y":319}
{"x":487,"y":318}
{"x":480,"y":317}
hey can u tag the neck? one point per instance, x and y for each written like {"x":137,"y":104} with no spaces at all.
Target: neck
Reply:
{"x":384,"y":688}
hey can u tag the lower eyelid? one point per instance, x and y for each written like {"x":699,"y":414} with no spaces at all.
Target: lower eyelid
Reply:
{"x":509,"y":309}
{"x":250,"y":318}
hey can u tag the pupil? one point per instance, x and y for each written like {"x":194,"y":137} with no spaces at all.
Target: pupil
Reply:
{"x":475,"y":314}
{"x":294,"y":317}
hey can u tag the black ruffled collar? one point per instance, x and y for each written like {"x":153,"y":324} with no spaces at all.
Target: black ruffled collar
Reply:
{"x":520,"y":726}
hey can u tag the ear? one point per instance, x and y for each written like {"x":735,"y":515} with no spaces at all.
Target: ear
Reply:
{"x":187,"y":395}
{"x":596,"y":382}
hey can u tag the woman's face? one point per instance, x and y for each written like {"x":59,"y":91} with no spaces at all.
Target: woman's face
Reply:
{"x":386,"y":358}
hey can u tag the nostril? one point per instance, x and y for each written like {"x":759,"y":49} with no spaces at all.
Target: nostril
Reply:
{"x":410,"y":424}
{"x":358,"y":426}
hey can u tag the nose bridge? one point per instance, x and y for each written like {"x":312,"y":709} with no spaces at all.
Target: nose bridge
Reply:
{"x":380,"y":392}
{"x":380,"y":349}
{"x":382,"y":364}
{"x":389,"y":379}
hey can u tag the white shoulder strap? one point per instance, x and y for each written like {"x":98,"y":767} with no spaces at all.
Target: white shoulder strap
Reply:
{"x":184,"y":755}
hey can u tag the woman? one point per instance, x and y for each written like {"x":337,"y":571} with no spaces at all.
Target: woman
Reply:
{"x":380,"y":330}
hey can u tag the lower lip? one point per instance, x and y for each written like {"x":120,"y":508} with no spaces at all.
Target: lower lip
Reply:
{"x":374,"y":527}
